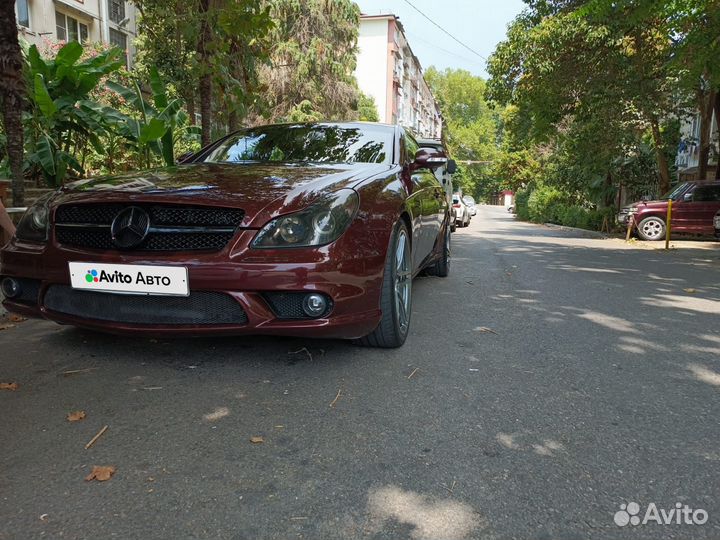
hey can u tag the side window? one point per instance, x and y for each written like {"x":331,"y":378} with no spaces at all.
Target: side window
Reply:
{"x":706,"y":194}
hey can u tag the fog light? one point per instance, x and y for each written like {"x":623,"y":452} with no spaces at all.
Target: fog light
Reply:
{"x":314,"y":305}
{"x":11,"y":288}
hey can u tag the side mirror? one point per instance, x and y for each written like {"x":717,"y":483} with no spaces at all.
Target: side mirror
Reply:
{"x":427,"y":160}
{"x":451,"y":166}
{"x":688,"y":197}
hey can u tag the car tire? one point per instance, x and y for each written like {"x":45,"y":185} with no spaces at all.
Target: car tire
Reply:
{"x":441,"y":268}
{"x":396,"y":294}
{"x":651,"y":228}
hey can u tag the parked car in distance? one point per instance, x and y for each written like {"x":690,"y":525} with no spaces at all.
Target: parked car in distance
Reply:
{"x":470,"y":203}
{"x":694,"y":205}
{"x":716,"y":225}
{"x":462,"y":212}
{"x":443,"y":173}
{"x":312,"y":230}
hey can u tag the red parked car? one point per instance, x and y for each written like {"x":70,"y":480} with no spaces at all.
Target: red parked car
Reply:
{"x":694,"y":206}
{"x":301,"y":229}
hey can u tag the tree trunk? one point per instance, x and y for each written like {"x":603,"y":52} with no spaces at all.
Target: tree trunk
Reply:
{"x":717,"y":123}
{"x":205,"y":86}
{"x":662,"y":161}
{"x":233,"y":122}
{"x":706,"y":103}
{"x":12,"y":93}
{"x":190,"y":104}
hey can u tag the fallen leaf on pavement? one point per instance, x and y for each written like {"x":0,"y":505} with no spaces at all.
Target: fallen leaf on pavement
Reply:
{"x":14,"y":317}
{"x":5,"y":326}
{"x":9,"y":386}
{"x":690,"y":291}
{"x":101,"y":474}
{"x":485,"y":330}
{"x":257,"y":440}
{"x":76,"y":416}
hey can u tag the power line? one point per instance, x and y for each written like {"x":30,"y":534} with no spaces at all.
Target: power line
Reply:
{"x":436,"y":46}
{"x":445,"y":31}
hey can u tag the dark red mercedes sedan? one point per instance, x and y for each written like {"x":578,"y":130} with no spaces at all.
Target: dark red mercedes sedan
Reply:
{"x":297,"y":229}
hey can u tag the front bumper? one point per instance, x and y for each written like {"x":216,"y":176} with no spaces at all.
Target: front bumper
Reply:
{"x":349,"y":272}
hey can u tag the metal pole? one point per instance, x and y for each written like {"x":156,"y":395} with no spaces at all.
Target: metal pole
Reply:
{"x":668,"y":225}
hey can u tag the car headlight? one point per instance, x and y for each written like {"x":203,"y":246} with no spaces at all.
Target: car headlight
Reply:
{"x":632,"y":209}
{"x":320,"y":224}
{"x":33,"y":226}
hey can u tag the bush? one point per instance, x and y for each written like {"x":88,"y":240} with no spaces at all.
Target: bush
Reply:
{"x":545,"y":204}
{"x":521,"y":202}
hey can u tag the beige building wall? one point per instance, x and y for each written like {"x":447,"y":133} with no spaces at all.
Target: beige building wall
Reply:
{"x":43,"y":22}
{"x":388,"y":70}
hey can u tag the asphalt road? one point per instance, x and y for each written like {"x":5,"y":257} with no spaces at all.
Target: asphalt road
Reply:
{"x":549,"y":380}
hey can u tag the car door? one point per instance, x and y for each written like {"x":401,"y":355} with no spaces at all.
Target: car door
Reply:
{"x":425,"y":204}
{"x":703,"y":207}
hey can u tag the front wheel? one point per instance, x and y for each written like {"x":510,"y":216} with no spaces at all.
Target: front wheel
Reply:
{"x":651,"y":228}
{"x":396,"y":295}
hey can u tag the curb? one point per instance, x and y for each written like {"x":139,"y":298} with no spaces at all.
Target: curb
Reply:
{"x":586,"y":232}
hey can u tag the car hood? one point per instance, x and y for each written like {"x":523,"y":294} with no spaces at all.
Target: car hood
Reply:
{"x":262,"y":190}
{"x":639,"y":204}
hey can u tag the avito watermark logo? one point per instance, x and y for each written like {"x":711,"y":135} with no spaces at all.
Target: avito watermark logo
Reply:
{"x":680,"y":514}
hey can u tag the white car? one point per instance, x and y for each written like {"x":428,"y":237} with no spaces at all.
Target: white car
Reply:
{"x":462,"y":212}
{"x":470,"y":203}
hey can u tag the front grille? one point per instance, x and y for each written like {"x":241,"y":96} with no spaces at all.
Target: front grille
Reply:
{"x":200,"y":308}
{"x":172,"y":227}
{"x":288,"y":305}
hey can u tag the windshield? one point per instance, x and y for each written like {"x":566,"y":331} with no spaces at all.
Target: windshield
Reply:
{"x":675,"y":192}
{"x":307,"y":143}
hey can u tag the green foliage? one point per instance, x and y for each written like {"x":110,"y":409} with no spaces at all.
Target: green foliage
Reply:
{"x":62,"y":121}
{"x":171,"y":36}
{"x":545,"y":204}
{"x":312,"y":58}
{"x":471,"y":129}
{"x":150,"y":128}
{"x":367,"y":108}
{"x":304,"y":112}
{"x":522,"y":196}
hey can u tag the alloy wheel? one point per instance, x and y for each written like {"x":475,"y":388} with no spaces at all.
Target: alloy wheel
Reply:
{"x":403,"y":281}
{"x":653,"y":228}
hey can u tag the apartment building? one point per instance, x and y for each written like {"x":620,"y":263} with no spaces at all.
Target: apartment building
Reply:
{"x":108,"y":21}
{"x":688,"y":156}
{"x":388,"y":71}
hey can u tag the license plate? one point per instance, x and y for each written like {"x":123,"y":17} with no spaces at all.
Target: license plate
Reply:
{"x":130,"y":278}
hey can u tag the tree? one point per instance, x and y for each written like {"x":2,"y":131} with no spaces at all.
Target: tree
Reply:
{"x":312,"y":59}
{"x":367,"y":108}
{"x":471,"y":130}
{"x":566,"y":68}
{"x":210,"y":50}
{"x":12,"y":97}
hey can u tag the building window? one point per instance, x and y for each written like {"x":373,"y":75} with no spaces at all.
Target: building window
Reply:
{"x":69,"y":29}
{"x":23,"y":13}
{"x":119,"y":39}
{"x":116,"y":10}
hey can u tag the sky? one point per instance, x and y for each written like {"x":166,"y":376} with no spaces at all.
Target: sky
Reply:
{"x":480,"y":24}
